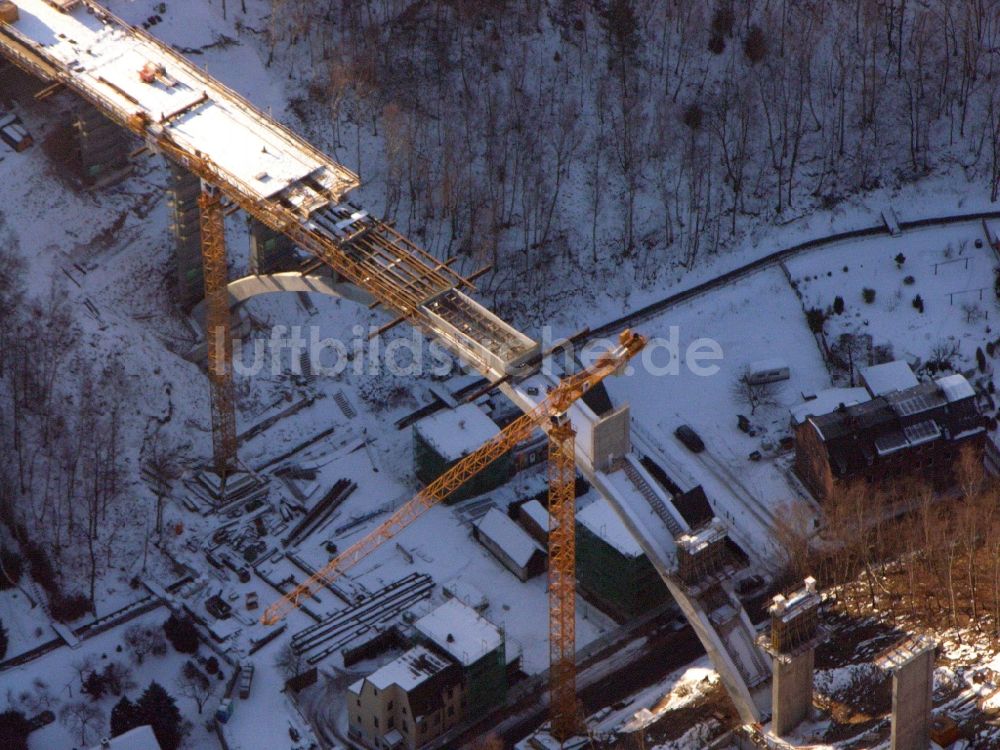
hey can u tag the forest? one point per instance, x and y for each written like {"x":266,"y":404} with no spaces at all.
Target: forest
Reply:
{"x":589,"y":135}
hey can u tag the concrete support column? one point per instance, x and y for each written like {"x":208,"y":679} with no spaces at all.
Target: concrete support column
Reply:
{"x":102,"y":147}
{"x":795,"y":633}
{"x":791,"y":691}
{"x":269,"y":251}
{"x":912,"y":667}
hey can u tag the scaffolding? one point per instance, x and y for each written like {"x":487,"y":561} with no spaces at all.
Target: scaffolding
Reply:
{"x":562,"y":579}
{"x":218,"y":333}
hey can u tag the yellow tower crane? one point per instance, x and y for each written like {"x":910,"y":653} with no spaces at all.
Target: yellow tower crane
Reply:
{"x":549,"y":415}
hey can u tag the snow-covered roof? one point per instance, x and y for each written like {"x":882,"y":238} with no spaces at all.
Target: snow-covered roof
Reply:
{"x":460,"y":631}
{"x":508,"y":536}
{"x":408,"y":671}
{"x":140,"y":738}
{"x":455,"y":433}
{"x":955,"y":387}
{"x":537,"y":513}
{"x":602,"y":521}
{"x":888,"y":377}
{"x":766,"y":365}
{"x":827,"y":401}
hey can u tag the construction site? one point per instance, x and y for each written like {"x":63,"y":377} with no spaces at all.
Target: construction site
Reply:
{"x":399,"y":572}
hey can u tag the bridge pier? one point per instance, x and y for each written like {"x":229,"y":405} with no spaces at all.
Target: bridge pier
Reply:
{"x":102,"y":147}
{"x":795,"y":633}
{"x":183,"y":189}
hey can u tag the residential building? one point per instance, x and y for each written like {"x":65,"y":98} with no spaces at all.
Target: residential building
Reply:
{"x":612,"y":571}
{"x":476,"y":644}
{"x":534,"y":519}
{"x":140,"y":738}
{"x":442,"y":439}
{"x":407,"y":702}
{"x":916,"y":430}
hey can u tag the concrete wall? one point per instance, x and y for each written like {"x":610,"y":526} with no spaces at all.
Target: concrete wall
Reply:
{"x":611,"y":438}
{"x":912,"y":687}
{"x":791,"y":691}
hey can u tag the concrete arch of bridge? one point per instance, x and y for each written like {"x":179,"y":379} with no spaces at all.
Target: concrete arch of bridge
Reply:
{"x":244,"y":289}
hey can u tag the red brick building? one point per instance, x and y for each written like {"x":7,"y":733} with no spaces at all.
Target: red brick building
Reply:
{"x":914,"y":431}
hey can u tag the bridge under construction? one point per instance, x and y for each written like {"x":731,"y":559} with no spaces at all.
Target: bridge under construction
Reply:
{"x":246,"y":160}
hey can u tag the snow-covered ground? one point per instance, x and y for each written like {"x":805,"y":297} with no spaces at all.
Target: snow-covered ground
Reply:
{"x":115,"y":246}
{"x":942,"y":265}
{"x":755,"y":318}
{"x":52,"y":681}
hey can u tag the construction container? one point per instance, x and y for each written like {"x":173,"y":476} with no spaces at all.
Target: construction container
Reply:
{"x":64,"y":5}
{"x":8,"y":12}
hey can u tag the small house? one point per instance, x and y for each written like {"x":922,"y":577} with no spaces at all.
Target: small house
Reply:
{"x":534,"y":519}
{"x":510,"y":544}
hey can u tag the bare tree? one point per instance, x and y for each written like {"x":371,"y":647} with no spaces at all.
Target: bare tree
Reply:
{"x":195,"y":684}
{"x":83,"y":718}
{"x":290,"y":662}
{"x":753,"y":392}
{"x":142,"y":640}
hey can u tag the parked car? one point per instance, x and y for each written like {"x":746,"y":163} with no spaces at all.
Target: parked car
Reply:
{"x":686,"y":434}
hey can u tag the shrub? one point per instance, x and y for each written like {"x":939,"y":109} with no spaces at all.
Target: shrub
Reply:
{"x":11,"y":563}
{"x":838,"y":305}
{"x":95,"y":686}
{"x":182,"y":634}
{"x":124,"y":717}
{"x":980,"y":359}
{"x":157,"y":708}
{"x":918,"y":303}
{"x":693,"y":115}
{"x":816,"y":319}
{"x":211,"y":665}
{"x":900,"y":260}
{"x":716,"y":44}
{"x":909,"y":281}
{"x":68,"y":607}
{"x":868,"y":295}
{"x":41,"y":568}
{"x":141,"y":641}
{"x":755,"y":45}
{"x":723,"y":20}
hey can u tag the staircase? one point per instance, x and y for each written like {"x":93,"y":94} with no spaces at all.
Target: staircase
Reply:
{"x":652,"y":498}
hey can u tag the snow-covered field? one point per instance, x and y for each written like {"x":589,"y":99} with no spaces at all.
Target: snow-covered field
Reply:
{"x":942,"y":265}
{"x":112,"y":249}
